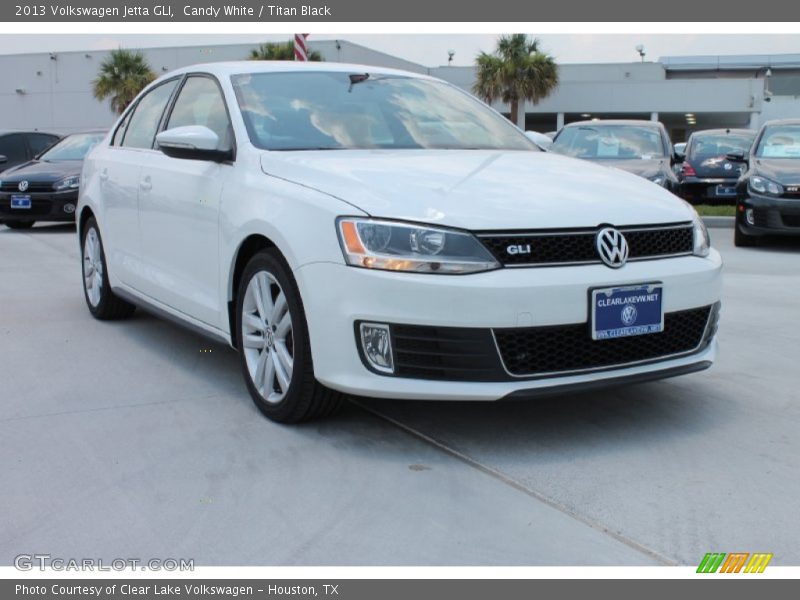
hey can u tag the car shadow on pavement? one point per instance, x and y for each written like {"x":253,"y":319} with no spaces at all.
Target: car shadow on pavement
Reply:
{"x":605,"y":421}
{"x":44,"y":228}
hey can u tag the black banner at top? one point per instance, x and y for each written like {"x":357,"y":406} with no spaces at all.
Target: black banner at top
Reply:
{"x":273,"y":11}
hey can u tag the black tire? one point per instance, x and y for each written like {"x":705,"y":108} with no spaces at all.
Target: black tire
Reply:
{"x":109,"y":307}
{"x":742,"y":240}
{"x":19,"y":224}
{"x":306,"y":398}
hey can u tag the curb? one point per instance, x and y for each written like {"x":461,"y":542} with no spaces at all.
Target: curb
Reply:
{"x":719,"y":222}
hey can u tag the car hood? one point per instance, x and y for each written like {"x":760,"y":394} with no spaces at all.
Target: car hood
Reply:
{"x":478,"y":189}
{"x":42,"y":171}
{"x":785,"y":171}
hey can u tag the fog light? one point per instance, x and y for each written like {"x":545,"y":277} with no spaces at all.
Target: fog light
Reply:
{"x":376,"y":342}
{"x":69,"y":208}
{"x":748,"y":216}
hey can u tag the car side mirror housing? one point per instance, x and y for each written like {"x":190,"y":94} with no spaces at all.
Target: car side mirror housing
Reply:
{"x":3,"y":159}
{"x":192,"y":142}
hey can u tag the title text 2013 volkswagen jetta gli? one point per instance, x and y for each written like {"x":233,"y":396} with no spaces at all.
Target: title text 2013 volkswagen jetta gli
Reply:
{"x":365,"y":231}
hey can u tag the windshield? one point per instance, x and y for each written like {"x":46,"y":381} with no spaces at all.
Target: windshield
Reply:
{"x":719,"y":144}
{"x":780,"y":141}
{"x":610,"y":141}
{"x":328,"y":110}
{"x":73,"y":147}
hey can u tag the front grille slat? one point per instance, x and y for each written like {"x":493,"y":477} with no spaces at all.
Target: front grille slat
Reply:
{"x":543,"y":248}
{"x":12,"y":187}
{"x":445,"y":353}
{"x":482,"y":354}
{"x":565,"y":348}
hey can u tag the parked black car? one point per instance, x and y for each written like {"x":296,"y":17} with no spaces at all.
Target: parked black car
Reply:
{"x":640,"y":147}
{"x":17,"y":147}
{"x":46,"y":188}
{"x":707,"y":175}
{"x":768,"y":193}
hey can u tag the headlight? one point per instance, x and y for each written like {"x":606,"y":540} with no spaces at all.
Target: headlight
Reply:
{"x":658,"y":179}
{"x":702,"y":243}
{"x":68,"y":183}
{"x":762,"y":185}
{"x":417,"y":248}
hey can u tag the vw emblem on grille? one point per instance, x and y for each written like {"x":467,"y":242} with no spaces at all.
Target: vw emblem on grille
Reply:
{"x":727,"y":166}
{"x":612,"y":247}
{"x":629,"y":314}
{"x":23,"y":185}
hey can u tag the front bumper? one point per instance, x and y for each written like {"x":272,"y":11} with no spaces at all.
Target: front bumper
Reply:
{"x":55,"y":206}
{"x":772,"y":216}
{"x":336,"y":297}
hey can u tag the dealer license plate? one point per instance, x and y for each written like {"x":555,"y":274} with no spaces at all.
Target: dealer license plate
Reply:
{"x":625,"y":311}
{"x":726,"y":190}
{"x":18,"y":201}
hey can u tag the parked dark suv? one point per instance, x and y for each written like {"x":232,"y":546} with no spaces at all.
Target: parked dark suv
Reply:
{"x":639,"y":147}
{"x":707,"y":175}
{"x":17,"y":147}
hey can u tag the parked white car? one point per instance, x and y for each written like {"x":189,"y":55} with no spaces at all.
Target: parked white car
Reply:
{"x":356,"y":230}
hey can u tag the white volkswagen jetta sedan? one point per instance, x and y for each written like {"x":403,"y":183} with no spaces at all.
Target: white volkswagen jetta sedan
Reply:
{"x":356,"y":230}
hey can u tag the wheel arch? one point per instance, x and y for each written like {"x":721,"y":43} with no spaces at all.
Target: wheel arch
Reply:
{"x":86,"y":214}
{"x":248,"y":248}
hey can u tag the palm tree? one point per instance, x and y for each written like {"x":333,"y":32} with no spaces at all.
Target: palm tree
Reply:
{"x":123,"y":74}
{"x":280,"y":51}
{"x":517,"y":71}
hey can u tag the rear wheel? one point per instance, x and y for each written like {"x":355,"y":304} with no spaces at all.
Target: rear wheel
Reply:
{"x":274,"y":346}
{"x":102,"y":302}
{"x":19,"y":224}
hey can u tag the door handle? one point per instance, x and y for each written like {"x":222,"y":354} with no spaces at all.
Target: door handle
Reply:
{"x":146,"y":184}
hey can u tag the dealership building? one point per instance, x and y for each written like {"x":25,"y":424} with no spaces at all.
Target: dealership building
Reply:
{"x":51,"y":91}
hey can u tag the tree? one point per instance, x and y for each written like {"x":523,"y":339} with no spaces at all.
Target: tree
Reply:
{"x":122,"y":75}
{"x":517,"y":71}
{"x":280,"y":51}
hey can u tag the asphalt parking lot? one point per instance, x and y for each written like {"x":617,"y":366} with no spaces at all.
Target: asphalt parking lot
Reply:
{"x":137,"y":439}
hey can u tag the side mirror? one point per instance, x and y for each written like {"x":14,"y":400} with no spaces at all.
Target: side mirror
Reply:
{"x":193,"y":142}
{"x":543,"y":141}
{"x":3,"y":159}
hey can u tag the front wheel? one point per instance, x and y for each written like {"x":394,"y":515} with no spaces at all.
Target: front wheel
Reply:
{"x":102,"y":302}
{"x":274,"y":346}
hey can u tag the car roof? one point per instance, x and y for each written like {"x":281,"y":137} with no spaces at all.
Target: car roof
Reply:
{"x":7,"y":131}
{"x":223,"y":69}
{"x":725,"y":131}
{"x":782,"y":122}
{"x":637,"y":122}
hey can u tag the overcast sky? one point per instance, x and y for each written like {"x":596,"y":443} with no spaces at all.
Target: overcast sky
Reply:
{"x":431,"y":50}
